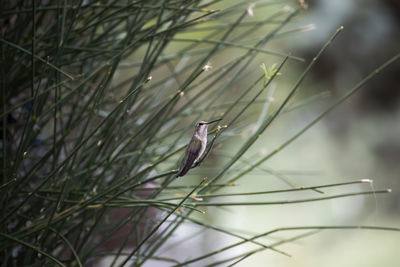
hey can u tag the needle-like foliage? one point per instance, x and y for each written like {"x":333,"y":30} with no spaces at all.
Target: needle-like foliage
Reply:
{"x":98,"y":98}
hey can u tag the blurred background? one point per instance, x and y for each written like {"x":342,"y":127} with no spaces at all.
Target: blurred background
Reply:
{"x":135,"y":92}
{"x":358,"y":140}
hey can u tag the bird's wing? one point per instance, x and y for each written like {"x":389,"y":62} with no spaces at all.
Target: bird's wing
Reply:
{"x":191,"y":153}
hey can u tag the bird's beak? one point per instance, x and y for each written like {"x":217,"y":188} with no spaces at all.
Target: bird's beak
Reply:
{"x":213,"y":121}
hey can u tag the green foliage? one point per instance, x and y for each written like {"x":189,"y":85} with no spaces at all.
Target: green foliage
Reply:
{"x":269,"y":72}
{"x":98,"y":98}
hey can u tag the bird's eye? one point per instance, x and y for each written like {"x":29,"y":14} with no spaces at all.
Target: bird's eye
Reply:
{"x":200,"y":123}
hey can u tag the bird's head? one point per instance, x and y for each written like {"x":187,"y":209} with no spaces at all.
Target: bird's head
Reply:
{"x":201,"y":126}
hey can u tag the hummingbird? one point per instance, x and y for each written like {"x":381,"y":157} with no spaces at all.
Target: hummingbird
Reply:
{"x":196,"y":147}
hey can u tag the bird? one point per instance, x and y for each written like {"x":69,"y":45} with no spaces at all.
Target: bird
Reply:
{"x":195,"y":148}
